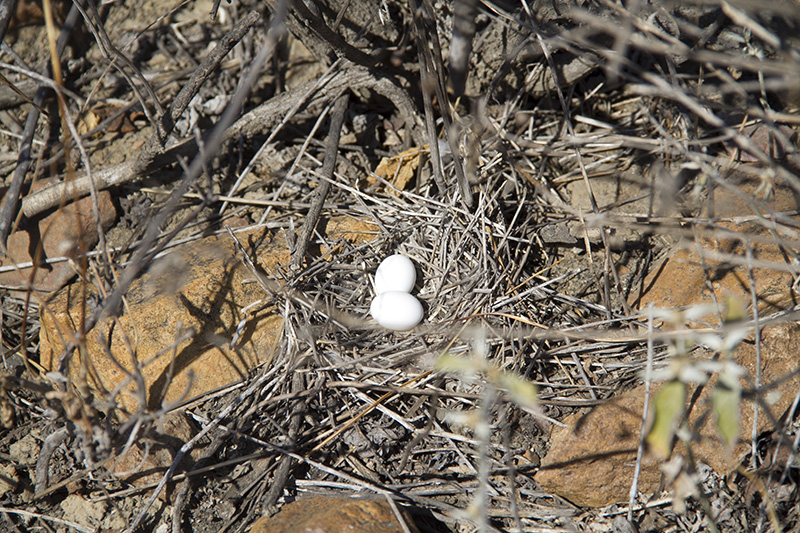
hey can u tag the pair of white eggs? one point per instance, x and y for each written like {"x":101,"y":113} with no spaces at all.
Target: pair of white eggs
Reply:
{"x":395,"y":307}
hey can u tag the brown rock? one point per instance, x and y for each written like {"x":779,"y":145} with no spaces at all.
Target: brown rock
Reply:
{"x":61,"y":234}
{"x":178,"y":320}
{"x":591,"y":463}
{"x":351,"y":229}
{"x":687,"y":277}
{"x":334,"y":515}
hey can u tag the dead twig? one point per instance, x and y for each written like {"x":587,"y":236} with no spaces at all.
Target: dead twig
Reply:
{"x":433,"y":83}
{"x":321,"y":193}
{"x":285,"y":462}
{"x":155,"y":145}
{"x":7,"y":10}
{"x":9,"y":211}
{"x":116,"y":57}
{"x":152,"y":157}
{"x":49,"y":446}
{"x":254,"y":122}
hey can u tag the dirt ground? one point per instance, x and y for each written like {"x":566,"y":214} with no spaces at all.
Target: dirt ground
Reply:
{"x":578,"y":148}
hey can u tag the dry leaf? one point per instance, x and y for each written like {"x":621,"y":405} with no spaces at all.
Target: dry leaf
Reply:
{"x":88,"y":122}
{"x":400,"y":169}
{"x":123,"y":123}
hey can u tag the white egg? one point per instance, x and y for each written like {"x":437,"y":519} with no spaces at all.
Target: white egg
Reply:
{"x":396,"y":310}
{"x":395,"y":273}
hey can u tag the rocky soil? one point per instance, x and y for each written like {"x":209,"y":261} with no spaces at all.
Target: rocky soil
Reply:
{"x":601,"y":203}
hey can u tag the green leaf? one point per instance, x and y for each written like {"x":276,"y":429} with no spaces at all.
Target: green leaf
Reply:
{"x":668,"y":407}
{"x":519,"y":389}
{"x":735,"y":309}
{"x":453,"y":363}
{"x":726,"y":398}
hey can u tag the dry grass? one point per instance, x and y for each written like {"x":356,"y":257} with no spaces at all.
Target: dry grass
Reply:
{"x":541,"y":276}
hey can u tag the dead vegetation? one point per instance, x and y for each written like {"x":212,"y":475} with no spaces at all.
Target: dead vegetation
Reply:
{"x":579,"y":146}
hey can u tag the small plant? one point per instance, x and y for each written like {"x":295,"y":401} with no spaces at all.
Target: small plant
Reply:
{"x":494,"y":381}
{"x":670,"y":401}
{"x":669,"y":420}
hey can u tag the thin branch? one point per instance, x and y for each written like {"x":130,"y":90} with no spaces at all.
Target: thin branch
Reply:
{"x":9,"y":211}
{"x":254,"y":122}
{"x":321,"y":193}
{"x":155,"y":145}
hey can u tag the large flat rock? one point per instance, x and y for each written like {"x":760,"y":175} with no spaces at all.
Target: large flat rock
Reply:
{"x":179,"y":319}
{"x":591,"y":462}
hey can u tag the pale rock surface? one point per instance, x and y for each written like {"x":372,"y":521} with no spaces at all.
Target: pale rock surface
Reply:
{"x":25,"y":451}
{"x":83,"y":511}
{"x":179,"y":318}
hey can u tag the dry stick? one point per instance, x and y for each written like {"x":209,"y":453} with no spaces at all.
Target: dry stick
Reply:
{"x":144,"y":255}
{"x":45,"y":518}
{"x":9,"y":212}
{"x":648,"y":380}
{"x":322,"y":467}
{"x":182,"y":494}
{"x":189,"y":445}
{"x":114,"y":55}
{"x":427,"y":101}
{"x":450,"y":129}
{"x":285,"y":462}
{"x":69,"y":129}
{"x":312,"y":30}
{"x":274,"y":35}
{"x":332,"y":39}
{"x":7,"y":10}
{"x":13,"y":94}
{"x":152,"y":156}
{"x":328,"y":166}
{"x":143,"y":258}
{"x":383,"y":399}
{"x":464,"y":14}
{"x":432,"y":78}
{"x":155,"y":145}
{"x":272,"y":287}
{"x":757,"y":338}
{"x":329,"y":84}
{"x":511,"y":470}
{"x":252,"y":123}
{"x":49,"y":446}
{"x":320,"y":82}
